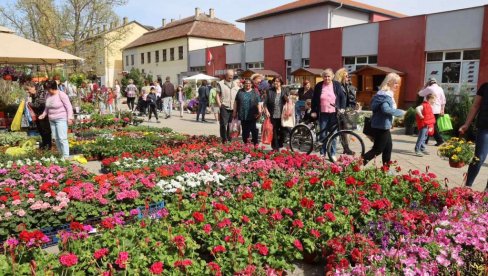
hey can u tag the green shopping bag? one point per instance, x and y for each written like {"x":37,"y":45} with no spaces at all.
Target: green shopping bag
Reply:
{"x":444,"y":123}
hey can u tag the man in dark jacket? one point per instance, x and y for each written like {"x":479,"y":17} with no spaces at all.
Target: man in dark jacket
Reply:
{"x":203,"y":96}
{"x":151,"y":102}
{"x":167,"y":93}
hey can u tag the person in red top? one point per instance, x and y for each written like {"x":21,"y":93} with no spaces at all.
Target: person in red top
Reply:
{"x":425,"y":123}
{"x":110,"y":100}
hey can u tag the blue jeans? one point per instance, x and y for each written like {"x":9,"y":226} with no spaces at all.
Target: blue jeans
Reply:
{"x":420,"y":145}
{"x":327,"y":120}
{"x":481,"y":151}
{"x":59,"y":130}
{"x":167,"y":105}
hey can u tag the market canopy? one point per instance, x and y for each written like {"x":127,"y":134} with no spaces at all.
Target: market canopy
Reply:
{"x":15,"y":50}
{"x":198,"y":77}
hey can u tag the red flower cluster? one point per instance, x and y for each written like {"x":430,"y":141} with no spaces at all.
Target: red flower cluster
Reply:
{"x":68,"y":259}
{"x":198,"y":217}
{"x":100,"y":253}
{"x":182,"y":263}
{"x":298,"y":244}
{"x":122,"y":259}
{"x":261,"y":248}
{"x":179,"y":241}
{"x":156,"y":268}
{"x":215,"y":268}
{"x":307,"y":203}
{"x":218,"y":249}
{"x":221,"y":207}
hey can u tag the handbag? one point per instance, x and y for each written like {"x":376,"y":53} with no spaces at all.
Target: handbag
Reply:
{"x":287,"y":116}
{"x":235,"y":128}
{"x":32,"y":113}
{"x":267,"y":132}
{"x":444,"y":123}
{"x":367,"y":129}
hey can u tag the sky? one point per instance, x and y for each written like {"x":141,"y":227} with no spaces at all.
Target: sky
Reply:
{"x":151,"y":12}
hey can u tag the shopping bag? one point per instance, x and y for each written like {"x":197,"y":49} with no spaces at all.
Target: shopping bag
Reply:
{"x":27,"y":115}
{"x":444,"y":123}
{"x":235,"y":128}
{"x":267,"y":132}
{"x":287,"y":116}
{"x":32,"y":113}
{"x":367,"y":130}
{"x":17,"y":121}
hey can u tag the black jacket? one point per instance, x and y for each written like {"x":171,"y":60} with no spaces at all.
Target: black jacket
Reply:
{"x":269,"y":99}
{"x":350,"y":93}
{"x":340,"y":96}
{"x":203,"y":93}
{"x":151,"y":99}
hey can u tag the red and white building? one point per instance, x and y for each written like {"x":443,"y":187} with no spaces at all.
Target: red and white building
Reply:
{"x":451,"y":46}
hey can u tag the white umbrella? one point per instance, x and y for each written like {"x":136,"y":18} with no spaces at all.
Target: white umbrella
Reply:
{"x":16,"y":49}
{"x":200,"y":77}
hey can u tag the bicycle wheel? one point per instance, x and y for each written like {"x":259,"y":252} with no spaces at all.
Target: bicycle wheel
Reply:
{"x":347,"y":143}
{"x":301,"y":139}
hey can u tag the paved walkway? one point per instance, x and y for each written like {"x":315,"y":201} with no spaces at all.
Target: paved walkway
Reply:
{"x":403,"y":149}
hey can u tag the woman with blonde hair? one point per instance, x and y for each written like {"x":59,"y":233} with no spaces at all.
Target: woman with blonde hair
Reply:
{"x":326,"y":100}
{"x":384,"y":108}
{"x":342,"y":76}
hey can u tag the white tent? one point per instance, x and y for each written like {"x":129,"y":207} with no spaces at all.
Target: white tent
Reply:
{"x":200,"y":77}
{"x":18,"y":50}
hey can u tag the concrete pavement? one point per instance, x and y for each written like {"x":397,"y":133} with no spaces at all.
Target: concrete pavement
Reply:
{"x":403,"y":149}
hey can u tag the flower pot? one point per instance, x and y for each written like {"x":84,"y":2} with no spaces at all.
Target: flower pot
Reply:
{"x":456,"y":164}
{"x":7,"y":77}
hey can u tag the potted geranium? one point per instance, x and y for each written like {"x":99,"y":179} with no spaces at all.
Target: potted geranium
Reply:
{"x":459,"y":151}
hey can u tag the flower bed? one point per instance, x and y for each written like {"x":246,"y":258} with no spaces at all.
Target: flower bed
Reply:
{"x":239,"y":210}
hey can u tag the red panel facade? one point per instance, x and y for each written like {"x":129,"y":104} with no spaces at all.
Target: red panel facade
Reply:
{"x":374,"y":17}
{"x":274,"y":55}
{"x":326,"y":49}
{"x":483,"y":75}
{"x":218,"y":62}
{"x":401,"y":46}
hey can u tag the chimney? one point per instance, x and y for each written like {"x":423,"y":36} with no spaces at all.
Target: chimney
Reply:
{"x":126,"y":20}
{"x":172,"y":19}
{"x":197,"y":11}
{"x":104,"y":27}
{"x":163,"y":21}
{"x":211,"y":12}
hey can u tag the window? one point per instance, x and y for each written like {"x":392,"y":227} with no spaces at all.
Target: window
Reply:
{"x":131,"y":59}
{"x":234,"y":66}
{"x":453,"y":55}
{"x":306,"y":63}
{"x":156,"y":53}
{"x":355,"y":63}
{"x":255,"y":65}
{"x":142,"y":58}
{"x":349,"y":60}
{"x":372,"y":59}
{"x":126,"y":60}
{"x":436,"y":56}
{"x":180,"y":52}
{"x":200,"y":69}
{"x":361,"y":60}
{"x":471,"y":55}
{"x":164,"y":54}
{"x":288,"y":70}
{"x":172,"y":54}
{"x":454,"y":68}
{"x":148,"y":57}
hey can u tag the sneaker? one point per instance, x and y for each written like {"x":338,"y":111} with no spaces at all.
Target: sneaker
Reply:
{"x":418,"y":153}
{"x":334,"y":158}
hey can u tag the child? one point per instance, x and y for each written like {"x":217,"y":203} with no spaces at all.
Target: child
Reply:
{"x":307,"y":118}
{"x":110,"y":100}
{"x":151,"y":102}
{"x":425,"y":123}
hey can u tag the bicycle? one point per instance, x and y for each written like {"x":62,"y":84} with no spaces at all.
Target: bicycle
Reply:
{"x":306,"y":137}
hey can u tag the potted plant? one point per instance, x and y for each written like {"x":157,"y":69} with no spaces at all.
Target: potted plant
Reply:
{"x":7,"y":73}
{"x":459,"y":151}
{"x":409,"y":121}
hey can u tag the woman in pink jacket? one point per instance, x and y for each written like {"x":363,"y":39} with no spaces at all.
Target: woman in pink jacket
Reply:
{"x":60,"y":114}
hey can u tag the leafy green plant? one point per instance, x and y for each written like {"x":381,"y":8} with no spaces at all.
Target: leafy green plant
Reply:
{"x":458,"y":106}
{"x":409,"y":119}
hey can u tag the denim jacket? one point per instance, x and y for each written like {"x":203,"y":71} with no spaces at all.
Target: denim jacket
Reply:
{"x":383,"y":111}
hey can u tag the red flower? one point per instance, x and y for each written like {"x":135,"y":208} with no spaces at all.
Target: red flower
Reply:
{"x":108,"y":223}
{"x":221,"y":207}
{"x":263,"y":211}
{"x":31,"y":195}
{"x":182,"y":263}
{"x":289,"y":184}
{"x":261,"y":248}
{"x":315,"y":233}
{"x":307,"y":203}
{"x":320,"y":219}
{"x":297,"y":223}
{"x":298,"y":244}
{"x":218,"y":249}
{"x":156,"y":268}
{"x":350,"y":180}
{"x":68,"y":259}
{"x":202,"y":194}
{"x":314,"y":180}
{"x":4,"y":198}
{"x":288,"y":212}
{"x":267,"y":185}
{"x":330,"y":216}
{"x":199,"y":217}
{"x":277,"y":216}
{"x":343,"y":264}
{"x":247,"y":196}
{"x":245,"y":219}
{"x":100,"y":253}
{"x":214,"y":267}
{"x":207,"y":228}
{"x":328,"y":206}
{"x":356,"y":255}
{"x":76,"y":226}
{"x":179,"y":241}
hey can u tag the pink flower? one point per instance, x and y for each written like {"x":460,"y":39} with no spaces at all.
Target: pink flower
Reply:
{"x":298,"y":244}
{"x":156,"y":268}
{"x":68,"y":259}
{"x":122,"y":259}
{"x":100,"y":253}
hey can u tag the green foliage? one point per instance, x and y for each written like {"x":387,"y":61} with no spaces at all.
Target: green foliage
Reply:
{"x":134,"y":75}
{"x":11,"y":93}
{"x":409,"y":118}
{"x":77,"y":79}
{"x":458,"y":106}
{"x":12,"y":138}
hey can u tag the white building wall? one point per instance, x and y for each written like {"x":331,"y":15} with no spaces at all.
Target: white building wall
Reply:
{"x":233,"y":53}
{"x":255,"y":51}
{"x":306,"y":20}
{"x":346,"y":17}
{"x":201,"y":43}
{"x":197,"y":58}
{"x":454,"y":30}
{"x":360,"y":40}
{"x":306,"y":45}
